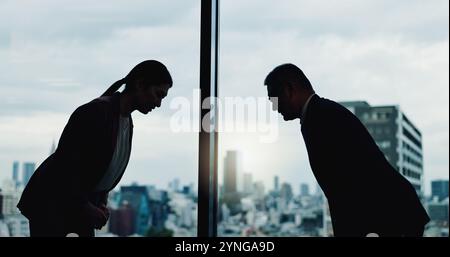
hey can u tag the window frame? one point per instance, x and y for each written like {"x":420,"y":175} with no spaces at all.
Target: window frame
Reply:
{"x":208,"y":139}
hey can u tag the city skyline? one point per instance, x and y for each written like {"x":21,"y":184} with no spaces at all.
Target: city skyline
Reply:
{"x":170,"y":185}
{"x":239,"y":175}
{"x":268,"y":183}
{"x":146,"y":210}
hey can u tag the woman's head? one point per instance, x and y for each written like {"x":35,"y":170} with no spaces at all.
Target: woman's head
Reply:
{"x":150,"y":73}
{"x":146,"y":84}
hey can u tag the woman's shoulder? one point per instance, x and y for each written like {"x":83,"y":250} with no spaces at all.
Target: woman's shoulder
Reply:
{"x":102,"y":103}
{"x":95,"y":109}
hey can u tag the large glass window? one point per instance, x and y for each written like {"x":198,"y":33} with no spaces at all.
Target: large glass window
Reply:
{"x":379,"y":52}
{"x":58,"y":55}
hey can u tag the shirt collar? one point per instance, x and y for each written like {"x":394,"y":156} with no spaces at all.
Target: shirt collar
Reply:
{"x":305,"y":108}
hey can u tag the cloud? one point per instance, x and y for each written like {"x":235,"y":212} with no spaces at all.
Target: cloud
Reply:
{"x":418,"y":20}
{"x":86,"y":21}
{"x":68,"y":71}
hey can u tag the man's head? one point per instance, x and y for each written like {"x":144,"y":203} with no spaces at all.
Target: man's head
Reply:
{"x":289,"y":88}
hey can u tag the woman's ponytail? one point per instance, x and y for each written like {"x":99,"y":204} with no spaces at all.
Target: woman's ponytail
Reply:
{"x":151,"y":71}
{"x":114,"y":87}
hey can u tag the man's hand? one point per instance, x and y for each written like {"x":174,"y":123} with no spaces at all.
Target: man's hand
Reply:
{"x":95,"y":216}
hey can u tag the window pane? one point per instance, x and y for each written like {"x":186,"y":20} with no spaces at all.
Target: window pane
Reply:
{"x":58,"y":55}
{"x":350,"y":51}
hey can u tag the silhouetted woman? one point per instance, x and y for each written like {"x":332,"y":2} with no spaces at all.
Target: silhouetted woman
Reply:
{"x":68,"y":192}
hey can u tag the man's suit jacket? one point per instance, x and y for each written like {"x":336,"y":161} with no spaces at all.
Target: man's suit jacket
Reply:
{"x":365,"y":193}
{"x":66,"y":180}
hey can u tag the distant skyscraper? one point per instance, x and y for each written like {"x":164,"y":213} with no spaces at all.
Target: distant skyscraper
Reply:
{"x":247,"y":183}
{"x":174,"y":185}
{"x":259,"y":190}
{"x":286,"y":191}
{"x":15,"y":173}
{"x":18,"y":226}
{"x":28,"y":170}
{"x":186,"y":190}
{"x":122,"y":220}
{"x":231,"y":171}
{"x":10,"y":198}
{"x":138,"y":199}
{"x":225,"y":212}
{"x":304,"y":189}
{"x":438,"y":211}
{"x":276,"y":184}
{"x":439,"y":189}
{"x":396,"y":136}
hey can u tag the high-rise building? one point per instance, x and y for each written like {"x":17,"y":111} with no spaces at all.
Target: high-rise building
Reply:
{"x":396,"y":136}
{"x":138,"y":199}
{"x":276,"y":184}
{"x":247,"y":183}
{"x":28,"y":170}
{"x":187,"y":214}
{"x":122,"y":220}
{"x":304,"y":189}
{"x":159,"y":209}
{"x":4,"y":230}
{"x":225,"y":212}
{"x":174,"y":185}
{"x":439,"y":189}
{"x":18,"y":226}
{"x":438,"y":211}
{"x":231,"y":171}
{"x":230,"y":192}
{"x":10,"y":198}
{"x":15,"y":173}
{"x":327,"y":224}
{"x":186,"y":190}
{"x":286,"y":192}
{"x":259,"y":190}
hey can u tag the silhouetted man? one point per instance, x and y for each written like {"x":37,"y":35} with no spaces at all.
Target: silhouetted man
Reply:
{"x":365,"y":193}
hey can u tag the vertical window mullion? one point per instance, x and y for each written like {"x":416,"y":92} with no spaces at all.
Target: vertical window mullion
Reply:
{"x":208,"y":135}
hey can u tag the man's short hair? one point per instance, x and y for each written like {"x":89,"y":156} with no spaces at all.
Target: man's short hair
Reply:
{"x":285,"y":73}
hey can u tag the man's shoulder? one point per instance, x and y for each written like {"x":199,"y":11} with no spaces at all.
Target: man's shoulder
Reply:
{"x":330,"y":107}
{"x":328,"y":114}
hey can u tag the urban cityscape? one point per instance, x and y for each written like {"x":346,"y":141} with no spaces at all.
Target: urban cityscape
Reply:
{"x":246,"y":206}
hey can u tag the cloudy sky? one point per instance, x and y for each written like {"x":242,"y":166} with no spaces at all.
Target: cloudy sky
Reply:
{"x":57,"y":55}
